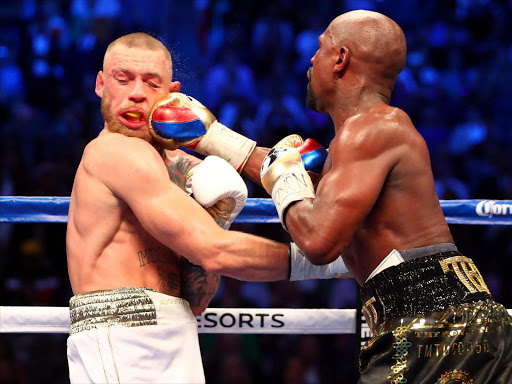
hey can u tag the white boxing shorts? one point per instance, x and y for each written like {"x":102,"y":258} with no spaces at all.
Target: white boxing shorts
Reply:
{"x":133,"y":335}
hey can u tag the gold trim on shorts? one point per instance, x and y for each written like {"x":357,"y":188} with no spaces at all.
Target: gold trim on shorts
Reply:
{"x":127,"y":306}
{"x":466,"y":271}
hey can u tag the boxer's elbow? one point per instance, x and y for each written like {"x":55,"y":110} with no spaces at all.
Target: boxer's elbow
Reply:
{"x":198,"y":310}
{"x":320,"y":251}
{"x":317,"y":256}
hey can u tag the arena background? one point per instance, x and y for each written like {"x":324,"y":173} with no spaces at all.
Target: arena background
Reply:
{"x":247,"y":62}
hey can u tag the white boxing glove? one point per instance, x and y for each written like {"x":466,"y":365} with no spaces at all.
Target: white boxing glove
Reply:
{"x":302,"y":269}
{"x":218,"y":187}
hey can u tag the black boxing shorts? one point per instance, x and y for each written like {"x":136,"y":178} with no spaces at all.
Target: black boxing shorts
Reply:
{"x":433,"y":321}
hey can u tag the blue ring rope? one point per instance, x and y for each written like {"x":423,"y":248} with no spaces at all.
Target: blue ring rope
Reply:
{"x":22,"y":209}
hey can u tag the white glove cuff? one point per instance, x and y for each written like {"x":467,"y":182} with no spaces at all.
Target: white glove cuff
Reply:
{"x":213,"y":180}
{"x":293,"y":186}
{"x":302,"y":269}
{"x":221,"y":141}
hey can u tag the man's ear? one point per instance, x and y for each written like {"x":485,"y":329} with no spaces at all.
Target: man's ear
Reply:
{"x":342,"y":59}
{"x":175,"y":86}
{"x":99,"y":84}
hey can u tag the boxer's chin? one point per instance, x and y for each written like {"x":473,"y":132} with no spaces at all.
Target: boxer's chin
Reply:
{"x":114,"y":125}
{"x":311,"y":99}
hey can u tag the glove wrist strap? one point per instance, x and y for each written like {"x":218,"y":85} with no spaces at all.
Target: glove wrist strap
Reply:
{"x":227,"y":144}
{"x":295,"y":185}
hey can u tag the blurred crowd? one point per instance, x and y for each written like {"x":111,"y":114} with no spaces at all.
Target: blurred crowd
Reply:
{"x":247,"y":62}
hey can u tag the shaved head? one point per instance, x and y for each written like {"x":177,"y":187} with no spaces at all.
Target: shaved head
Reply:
{"x":373,"y":39}
{"x":139,"y":40}
{"x":360,"y":55}
{"x":137,"y":71}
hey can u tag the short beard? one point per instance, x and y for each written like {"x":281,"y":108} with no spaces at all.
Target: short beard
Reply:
{"x":311,"y":98}
{"x":114,"y":125}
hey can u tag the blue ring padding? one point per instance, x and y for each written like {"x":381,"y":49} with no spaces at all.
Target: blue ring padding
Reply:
{"x":181,"y":132}
{"x":481,"y":212}
{"x":22,"y":209}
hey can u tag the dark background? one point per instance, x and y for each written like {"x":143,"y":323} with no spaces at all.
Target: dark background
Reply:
{"x":247,"y":62}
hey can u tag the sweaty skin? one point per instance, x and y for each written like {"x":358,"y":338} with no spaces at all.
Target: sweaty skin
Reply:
{"x":130,"y":223}
{"x":376,"y":191}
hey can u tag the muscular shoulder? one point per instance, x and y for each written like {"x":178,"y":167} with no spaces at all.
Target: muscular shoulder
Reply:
{"x":376,"y":130}
{"x":110,"y":156}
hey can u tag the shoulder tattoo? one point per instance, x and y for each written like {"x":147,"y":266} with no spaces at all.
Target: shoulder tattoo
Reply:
{"x":178,"y":170}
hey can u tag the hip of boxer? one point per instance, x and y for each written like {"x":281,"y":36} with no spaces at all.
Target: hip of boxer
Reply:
{"x":128,"y":307}
{"x":133,"y":335}
{"x":420,"y":281}
{"x":432,"y":319}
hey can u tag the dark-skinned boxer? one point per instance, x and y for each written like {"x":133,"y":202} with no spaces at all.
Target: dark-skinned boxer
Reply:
{"x":431,"y":314}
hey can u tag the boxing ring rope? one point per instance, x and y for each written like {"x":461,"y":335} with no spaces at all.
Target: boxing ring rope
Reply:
{"x":213,"y":320}
{"x":22,"y":209}
{"x":19,"y":209}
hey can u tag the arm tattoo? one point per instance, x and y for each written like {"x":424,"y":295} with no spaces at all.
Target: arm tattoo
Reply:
{"x":197,"y":286}
{"x":178,"y":170}
{"x":169,"y":282}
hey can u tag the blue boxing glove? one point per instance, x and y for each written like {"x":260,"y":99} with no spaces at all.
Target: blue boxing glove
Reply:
{"x":179,"y":119}
{"x":312,"y":153}
{"x":313,"y":156}
{"x":287,"y":169}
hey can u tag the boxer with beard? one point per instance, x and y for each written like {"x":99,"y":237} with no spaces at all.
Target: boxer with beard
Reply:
{"x":143,"y":256}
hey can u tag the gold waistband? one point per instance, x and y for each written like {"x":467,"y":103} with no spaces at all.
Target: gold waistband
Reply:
{"x":127,"y":306}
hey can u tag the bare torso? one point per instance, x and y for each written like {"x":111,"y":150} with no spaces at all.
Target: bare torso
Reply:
{"x":376,"y":193}
{"x":407,"y":212}
{"x":107,"y":247}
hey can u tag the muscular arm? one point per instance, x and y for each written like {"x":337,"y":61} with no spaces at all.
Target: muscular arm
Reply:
{"x":135,"y":172}
{"x":323,"y":227}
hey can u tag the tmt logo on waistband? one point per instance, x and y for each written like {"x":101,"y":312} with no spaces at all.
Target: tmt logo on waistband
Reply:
{"x":467,"y":272}
{"x":490,"y":208}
